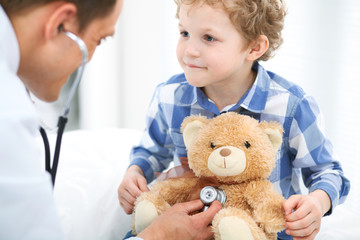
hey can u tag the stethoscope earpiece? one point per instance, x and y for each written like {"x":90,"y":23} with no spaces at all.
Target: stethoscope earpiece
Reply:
{"x":60,"y":28}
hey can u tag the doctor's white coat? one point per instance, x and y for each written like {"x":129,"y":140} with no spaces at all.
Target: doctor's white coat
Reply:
{"x":27,"y":208}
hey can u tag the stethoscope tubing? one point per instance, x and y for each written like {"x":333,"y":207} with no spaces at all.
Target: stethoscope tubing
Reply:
{"x":76,"y":77}
{"x":78,"y":72}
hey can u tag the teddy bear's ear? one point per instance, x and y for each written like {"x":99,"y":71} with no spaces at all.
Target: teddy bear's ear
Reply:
{"x":190,"y":127}
{"x":274,"y":132}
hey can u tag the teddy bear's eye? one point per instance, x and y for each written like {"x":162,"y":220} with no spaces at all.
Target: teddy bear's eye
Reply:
{"x":247,"y":144}
{"x":212,"y":145}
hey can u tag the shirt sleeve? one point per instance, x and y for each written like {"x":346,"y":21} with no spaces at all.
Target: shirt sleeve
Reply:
{"x":155,"y":151}
{"x":314,"y":153}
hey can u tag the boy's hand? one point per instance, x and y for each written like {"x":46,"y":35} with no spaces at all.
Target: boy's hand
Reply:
{"x":132,"y":185}
{"x":181,"y":224}
{"x":304,"y":222}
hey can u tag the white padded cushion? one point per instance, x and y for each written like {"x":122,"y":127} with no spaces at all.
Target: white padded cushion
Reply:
{"x":91,"y":167}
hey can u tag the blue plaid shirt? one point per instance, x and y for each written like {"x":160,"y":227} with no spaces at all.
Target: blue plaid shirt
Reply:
{"x":306,"y":154}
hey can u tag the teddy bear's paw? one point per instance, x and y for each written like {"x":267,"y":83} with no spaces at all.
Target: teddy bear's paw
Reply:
{"x":234,"y":228}
{"x":233,"y":223}
{"x":273,"y":226}
{"x":145,"y":213}
{"x":272,"y":220}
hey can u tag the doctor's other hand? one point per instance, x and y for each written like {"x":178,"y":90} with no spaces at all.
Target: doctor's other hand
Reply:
{"x":181,"y":224}
{"x":132,"y":185}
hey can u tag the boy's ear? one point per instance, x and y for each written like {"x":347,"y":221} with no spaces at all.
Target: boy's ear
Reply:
{"x":62,"y":16}
{"x":258,"y":47}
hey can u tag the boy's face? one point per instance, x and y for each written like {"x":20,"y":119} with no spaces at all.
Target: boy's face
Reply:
{"x":210,"y":49}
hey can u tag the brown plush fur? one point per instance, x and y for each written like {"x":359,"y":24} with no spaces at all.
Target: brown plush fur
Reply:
{"x":250,"y":196}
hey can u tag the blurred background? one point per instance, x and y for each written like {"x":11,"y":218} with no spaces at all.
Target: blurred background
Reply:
{"x":320,"y":53}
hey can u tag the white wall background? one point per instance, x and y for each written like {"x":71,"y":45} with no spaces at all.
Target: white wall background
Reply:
{"x":120,"y":80}
{"x":321,"y":53}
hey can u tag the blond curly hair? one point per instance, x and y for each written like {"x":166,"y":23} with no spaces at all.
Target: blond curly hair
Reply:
{"x":252,"y":18}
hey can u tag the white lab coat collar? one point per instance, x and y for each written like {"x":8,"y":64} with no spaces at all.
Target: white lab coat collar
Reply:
{"x":9,"y":46}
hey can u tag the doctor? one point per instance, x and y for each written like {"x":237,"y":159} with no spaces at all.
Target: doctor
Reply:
{"x":37,"y":56}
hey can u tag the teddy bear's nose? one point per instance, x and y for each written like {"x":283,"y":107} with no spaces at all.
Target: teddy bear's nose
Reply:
{"x":225,"y":152}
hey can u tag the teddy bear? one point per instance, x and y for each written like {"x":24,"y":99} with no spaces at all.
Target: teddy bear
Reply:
{"x":236,"y":154}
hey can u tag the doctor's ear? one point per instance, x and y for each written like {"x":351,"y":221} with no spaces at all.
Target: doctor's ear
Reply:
{"x":257,"y":48}
{"x":63,"y":16}
{"x":60,"y":28}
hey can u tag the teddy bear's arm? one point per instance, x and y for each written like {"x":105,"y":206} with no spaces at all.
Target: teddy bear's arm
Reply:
{"x":163,"y":194}
{"x":174,"y":190}
{"x":267,"y":205}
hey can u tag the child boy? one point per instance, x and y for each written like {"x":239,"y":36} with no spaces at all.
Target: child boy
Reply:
{"x":219,"y":48}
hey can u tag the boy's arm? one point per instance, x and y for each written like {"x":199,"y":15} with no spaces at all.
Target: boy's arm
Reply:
{"x":132,"y":185}
{"x":324,"y":200}
{"x":315,"y":157}
{"x":155,"y":151}
{"x":153,"y":154}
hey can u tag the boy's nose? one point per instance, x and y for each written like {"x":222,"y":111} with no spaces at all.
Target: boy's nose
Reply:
{"x":192,"y":50}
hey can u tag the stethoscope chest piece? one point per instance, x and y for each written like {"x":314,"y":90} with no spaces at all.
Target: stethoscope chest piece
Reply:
{"x":209,"y":194}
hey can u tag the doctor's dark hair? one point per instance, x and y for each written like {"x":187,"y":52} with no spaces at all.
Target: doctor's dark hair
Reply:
{"x":251,"y":18}
{"x":88,"y":10}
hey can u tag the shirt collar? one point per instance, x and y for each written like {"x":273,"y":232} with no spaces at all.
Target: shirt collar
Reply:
{"x":190,"y":95}
{"x":9,"y":46}
{"x":254,"y":99}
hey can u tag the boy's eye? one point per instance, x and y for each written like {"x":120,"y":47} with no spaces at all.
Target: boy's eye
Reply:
{"x":184,"y":34}
{"x":209,"y":38}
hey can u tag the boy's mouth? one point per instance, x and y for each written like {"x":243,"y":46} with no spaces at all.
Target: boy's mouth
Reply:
{"x":192,"y":66}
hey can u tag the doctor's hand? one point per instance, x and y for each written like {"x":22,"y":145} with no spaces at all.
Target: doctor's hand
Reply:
{"x":180,"y":224}
{"x":132,"y":185}
{"x":303,"y":214}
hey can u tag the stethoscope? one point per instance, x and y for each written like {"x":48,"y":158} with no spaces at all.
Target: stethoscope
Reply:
{"x":75,"y":77}
{"x":209,"y":194}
